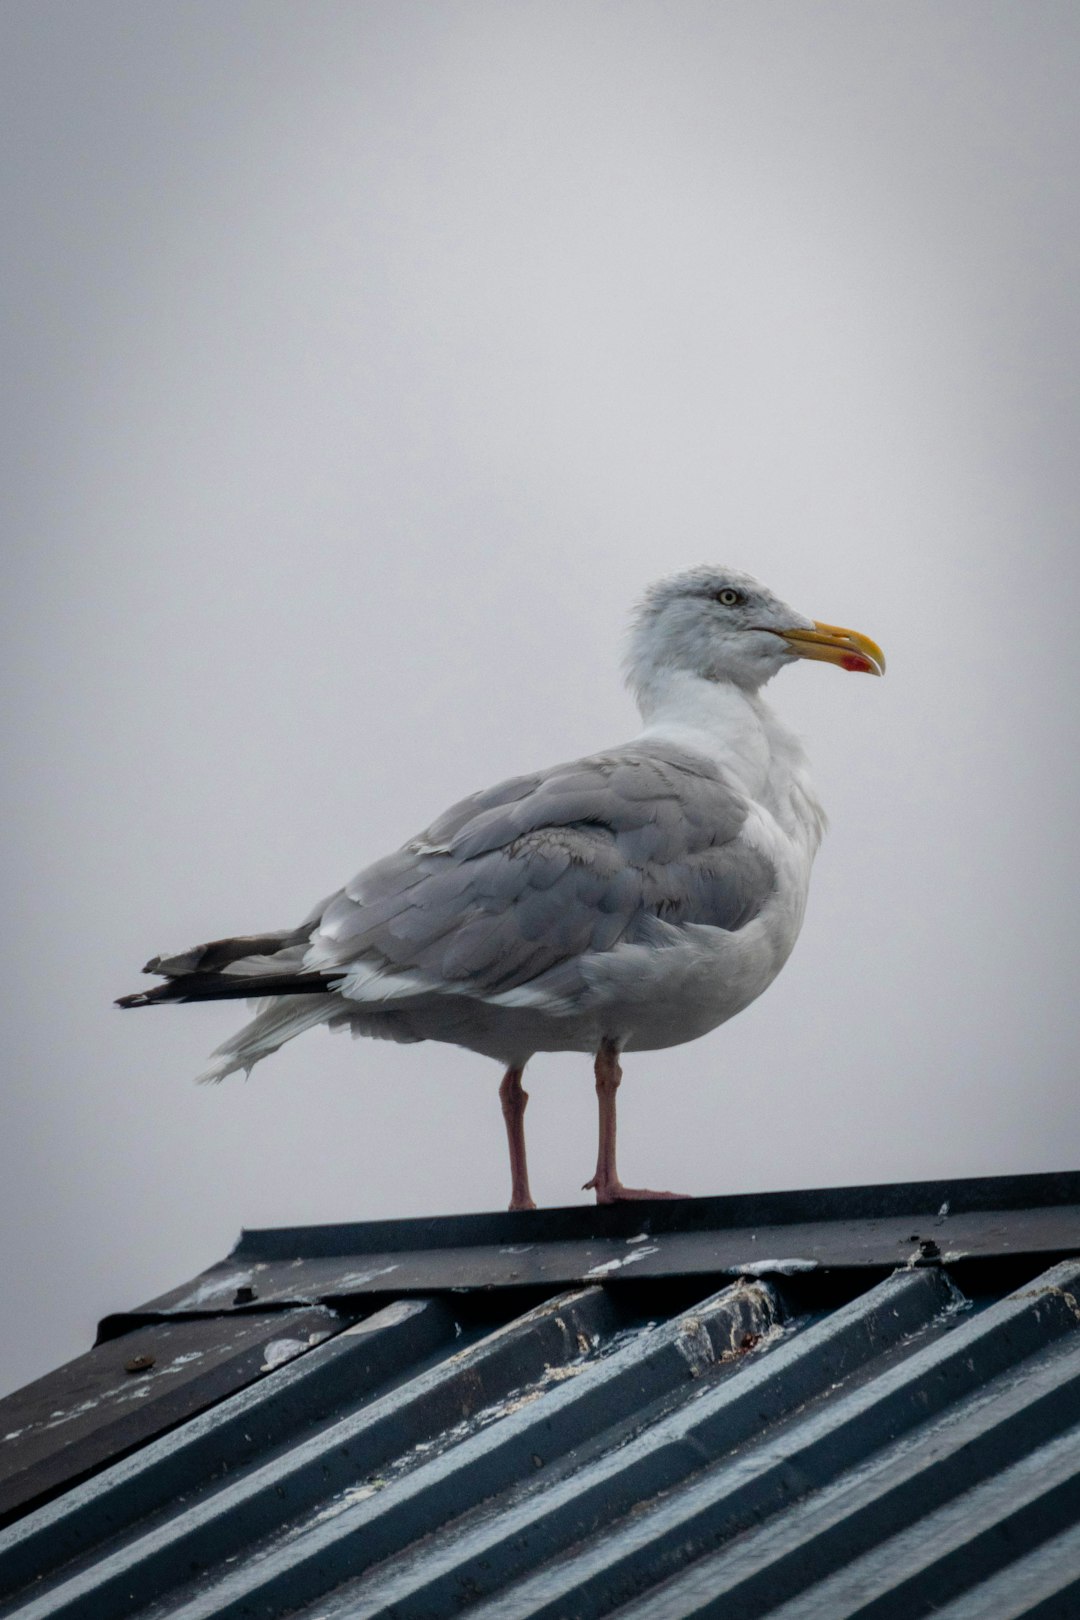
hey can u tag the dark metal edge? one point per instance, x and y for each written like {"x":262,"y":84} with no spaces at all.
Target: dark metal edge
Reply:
{"x":725,"y":1213}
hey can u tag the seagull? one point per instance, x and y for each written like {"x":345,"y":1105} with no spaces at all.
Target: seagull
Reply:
{"x":627,"y":901}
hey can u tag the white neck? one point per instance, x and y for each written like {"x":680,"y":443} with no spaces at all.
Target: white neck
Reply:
{"x":716,"y":718}
{"x":738,"y":730}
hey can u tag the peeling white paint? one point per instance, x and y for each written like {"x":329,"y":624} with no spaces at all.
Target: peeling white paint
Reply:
{"x":212,"y":1288}
{"x":355,"y":1279}
{"x":757,"y":1268}
{"x":56,"y":1418}
{"x":133,"y":1391}
{"x":360,"y":1493}
{"x":279,"y":1351}
{"x":347,"y":1498}
{"x":607,"y":1266}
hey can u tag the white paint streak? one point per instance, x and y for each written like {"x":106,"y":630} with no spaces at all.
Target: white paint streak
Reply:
{"x":607,"y":1266}
{"x":758,"y":1268}
{"x":279,"y":1351}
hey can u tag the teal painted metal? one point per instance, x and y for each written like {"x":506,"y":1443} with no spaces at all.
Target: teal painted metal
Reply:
{"x":818,"y":1443}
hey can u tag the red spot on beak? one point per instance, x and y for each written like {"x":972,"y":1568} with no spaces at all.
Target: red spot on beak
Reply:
{"x":858,"y":666}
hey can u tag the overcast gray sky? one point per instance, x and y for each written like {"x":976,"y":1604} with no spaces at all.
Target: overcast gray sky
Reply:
{"x":363,"y":361}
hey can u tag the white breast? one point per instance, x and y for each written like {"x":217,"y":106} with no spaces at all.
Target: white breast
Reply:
{"x":702,"y":976}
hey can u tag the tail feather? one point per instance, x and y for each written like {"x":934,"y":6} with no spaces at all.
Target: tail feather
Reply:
{"x":269,"y":966}
{"x":218,"y":953}
{"x":275,"y":1023}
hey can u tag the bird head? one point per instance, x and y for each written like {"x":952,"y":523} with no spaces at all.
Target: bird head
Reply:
{"x":723,"y":625}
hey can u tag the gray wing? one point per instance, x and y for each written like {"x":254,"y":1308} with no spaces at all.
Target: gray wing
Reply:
{"x":542,"y":869}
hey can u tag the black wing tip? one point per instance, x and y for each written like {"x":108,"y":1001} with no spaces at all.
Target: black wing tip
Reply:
{"x":225,"y":987}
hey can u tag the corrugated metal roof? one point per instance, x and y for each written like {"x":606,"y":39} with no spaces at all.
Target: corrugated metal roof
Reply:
{"x":732,"y":1407}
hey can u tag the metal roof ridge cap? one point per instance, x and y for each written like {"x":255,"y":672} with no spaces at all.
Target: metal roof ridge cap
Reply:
{"x":964,"y":1195}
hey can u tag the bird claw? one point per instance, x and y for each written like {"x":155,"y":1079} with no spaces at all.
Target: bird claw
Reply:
{"x":613,"y":1192}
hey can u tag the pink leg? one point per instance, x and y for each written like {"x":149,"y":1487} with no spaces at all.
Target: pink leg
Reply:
{"x":609,"y":1189}
{"x":513,"y":1097}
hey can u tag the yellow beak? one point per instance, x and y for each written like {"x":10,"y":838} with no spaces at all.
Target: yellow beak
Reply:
{"x":833,"y":645}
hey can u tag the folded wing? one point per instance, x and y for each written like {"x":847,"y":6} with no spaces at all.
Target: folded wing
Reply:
{"x":541,"y":871}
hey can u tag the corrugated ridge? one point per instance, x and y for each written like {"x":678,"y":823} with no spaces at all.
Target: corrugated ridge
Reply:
{"x":957,"y":1546}
{"x":901,"y":1486}
{"x":1043,"y":1585}
{"x":971,"y":1439}
{"x":269,"y":1492}
{"x":338,"y":1374}
{"x":667,"y":1535}
{"x":515,"y":1538}
{"x":888,"y":1460}
{"x":371,"y":1524}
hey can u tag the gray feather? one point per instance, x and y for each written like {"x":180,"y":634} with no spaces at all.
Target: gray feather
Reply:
{"x":542,"y":870}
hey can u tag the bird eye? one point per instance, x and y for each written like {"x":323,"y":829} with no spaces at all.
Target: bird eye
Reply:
{"x":730,"y":598}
